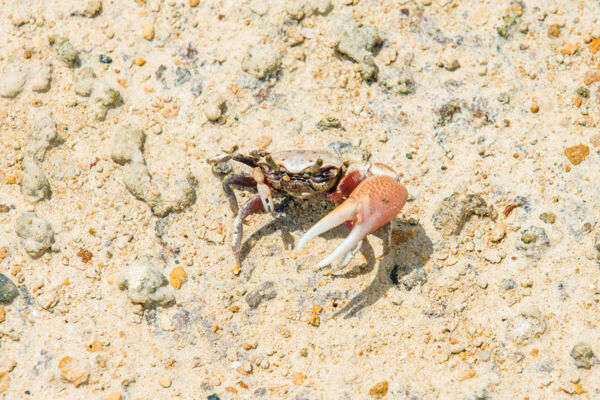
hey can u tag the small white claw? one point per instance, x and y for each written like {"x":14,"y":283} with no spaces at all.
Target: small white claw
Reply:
{"x":265,"y":197}
{"x":356,"y":235}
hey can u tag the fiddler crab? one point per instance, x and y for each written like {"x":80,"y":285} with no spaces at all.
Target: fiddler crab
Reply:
{"x":370,"y":193}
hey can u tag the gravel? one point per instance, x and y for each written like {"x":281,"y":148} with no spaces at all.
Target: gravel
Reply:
{"x":36,"y":232}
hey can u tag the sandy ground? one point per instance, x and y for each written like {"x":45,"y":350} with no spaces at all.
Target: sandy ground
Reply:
{"x":120,"y":247}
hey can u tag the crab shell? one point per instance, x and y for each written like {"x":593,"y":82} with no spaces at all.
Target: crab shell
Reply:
{"x":301,"y":173}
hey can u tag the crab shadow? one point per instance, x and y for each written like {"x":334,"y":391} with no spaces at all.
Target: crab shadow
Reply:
{"x":409,"y":250}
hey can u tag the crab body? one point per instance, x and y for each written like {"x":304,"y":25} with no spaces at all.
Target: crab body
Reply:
{"x":302,"y":173}
{"x":371,"y":193}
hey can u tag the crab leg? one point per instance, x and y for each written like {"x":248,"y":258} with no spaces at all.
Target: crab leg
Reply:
{"x":250,"y":207}
{"x":375,"y":202}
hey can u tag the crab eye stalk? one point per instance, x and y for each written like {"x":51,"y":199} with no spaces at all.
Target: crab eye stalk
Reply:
{"x":317,"y":166}
{"x":271,"y":163}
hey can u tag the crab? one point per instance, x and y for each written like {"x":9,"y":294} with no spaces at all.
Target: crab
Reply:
{"x":369,"y":194}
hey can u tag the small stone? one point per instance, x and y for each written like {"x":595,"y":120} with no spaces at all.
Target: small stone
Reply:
{"x":194,"y":3}
{"x":34,"y":183}
{"x":533,"y":241}
{"x":36,"y":232}
{"x":165,"y":381}
{"x":64,"y":50}
{"x":457,"y":348}
{"x":114,"y":396}
{"x":84,"y":82}
{"x":570,"y":49}
{"x":508,"y":284}
{"x":397,"y":83}
{"x":128,"y":141}
{"x":12,"y":79}
{"x":265,"y":291}
{"x":147,"y":30}
{"x":214,"y":105}
{"x":329,"y":122}
{"x":583,"y":92}
{"x":528,"y":325}
{"x":456,"y":209}
{"x":90,"y":9}
{"x":261,"y":61}
{"x":105,"y":98}
{"x":8,"y":290}
{"x":176,"y":277}
{"x":73,"y":371}
{"x":554,"y":31}
{"x":260,"y":7}
{"x":304,"y":352}
{"x":576,"y":154}
{"x":2,"y":313}
{"x":39,"y":77}
{"x":497,"y":233}
{"x":493,"y":256}
{"x":503,"y":98}
{"x":380,"y":389}
{"x":43,"y":135}
{"x":104,"y":59}
{"x":481,"y":282}
{"x":145,"y":284}
{"x":583,"y":355}
{"x":548,"y":218}
{"x":449,"y":62}
{"x":358,"y":43}
{"x":591,"y":77}
{"x":534,"y":108}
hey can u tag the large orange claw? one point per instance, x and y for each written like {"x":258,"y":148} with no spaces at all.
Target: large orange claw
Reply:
{"x":373,"y":203}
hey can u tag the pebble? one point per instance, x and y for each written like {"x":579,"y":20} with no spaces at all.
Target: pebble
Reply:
{"x":576,"y":154}
{"x":265,"y":291}
{"x":583,"y":355}
{"x":34,"y":182}
{"x":176,"y":277}
{"x":298,"y":9}
{"x":457,"y":348}
{"x":493,"y":256}
{"x":397,"y":83}
{"x":36,"y":232}
{"x":127,"y":144}
{"x":260,"y":7}
{"x":497,"y":233}
{"x":261,"y":61}
{"x":528,"y":325}
{"x":214,"y":105}
{"x":89,"y":9}
{"x":380,"y":389}
{"x":105,"y":59}
{"x":114,"y":396}
{"x":508,"y":284}
{"x":42,"y":136}
{"x":84,"y":83}
{"x":73,"y":371}
{"x":105,"y":98}
{"x":533,"y":241}
{"x":147,"y":30}
{"x":548,"y":218}
{"x":358,"y":43}
{"x":449,"y":62}
{"x":8,"y":290}
{"x":165,"y":381}
{"x":481,"y":282}
{"x":64,"y":50}
{"x":40,"y":76}
{"x":145,"y":284}
{"x":12,"y":80}
{"x":456,"y":209}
